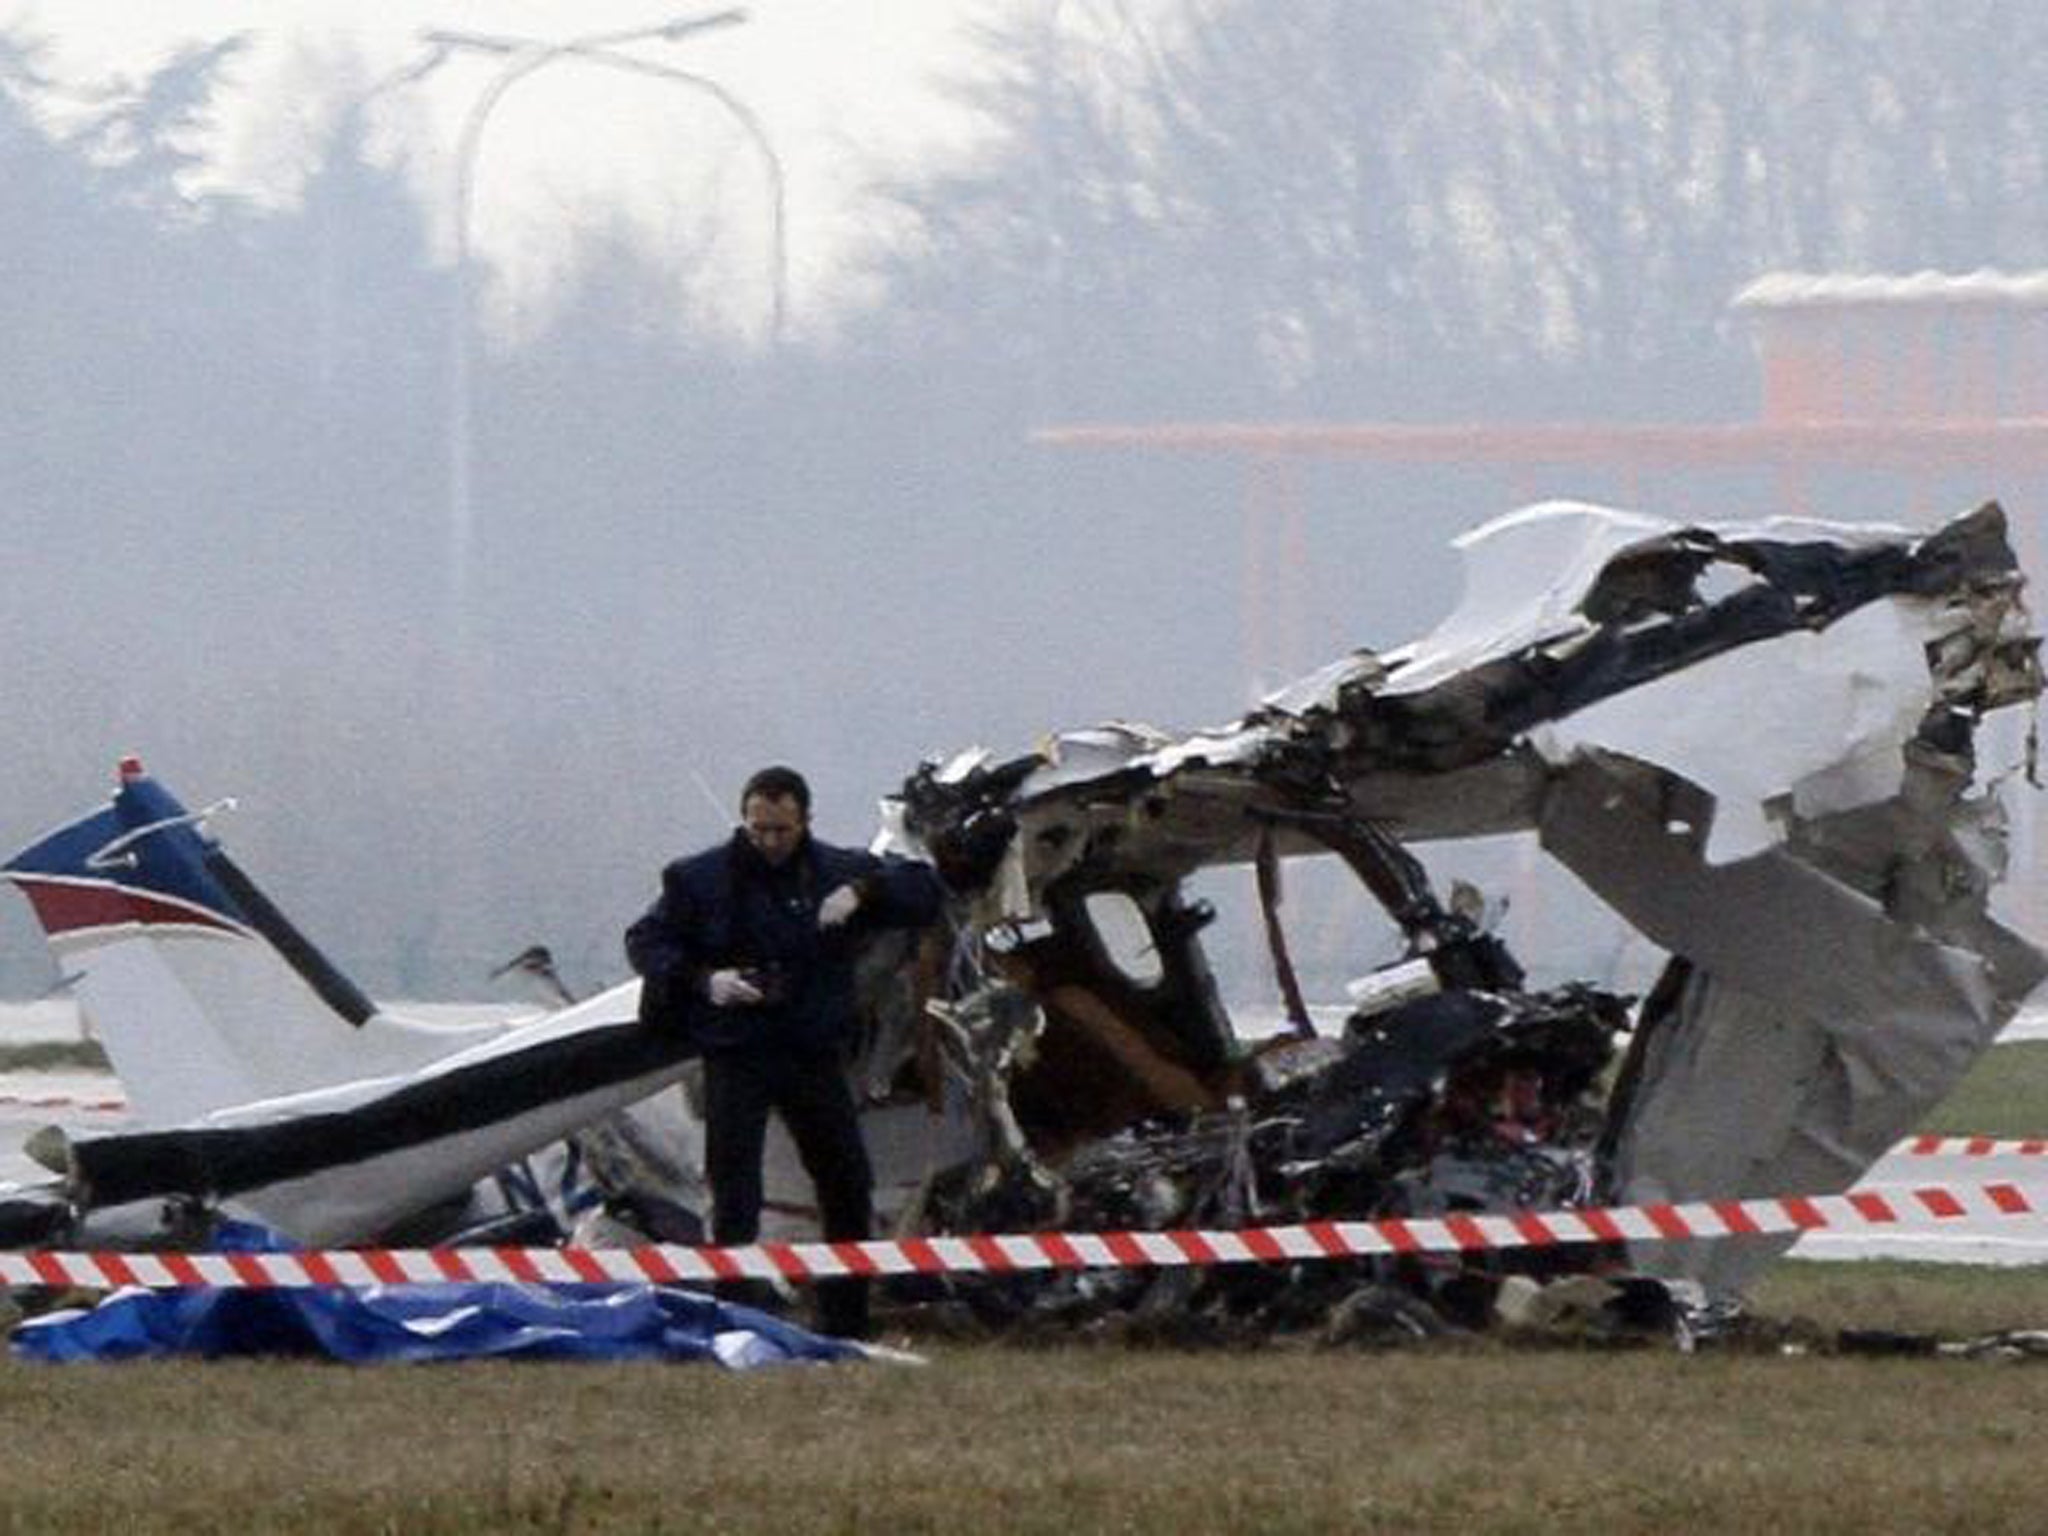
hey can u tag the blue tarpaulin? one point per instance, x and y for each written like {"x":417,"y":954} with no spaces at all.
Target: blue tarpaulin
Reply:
{"x":452,"y":1321}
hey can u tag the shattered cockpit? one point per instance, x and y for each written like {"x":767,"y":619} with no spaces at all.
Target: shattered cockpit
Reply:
{"x":1774,"y":749}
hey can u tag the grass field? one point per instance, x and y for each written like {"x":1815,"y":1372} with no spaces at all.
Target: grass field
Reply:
{"x":1477,"y":1437}
{"x":2005,"y":1094}
{"x":53,"y":1056}
{"x":1474,"y":1436}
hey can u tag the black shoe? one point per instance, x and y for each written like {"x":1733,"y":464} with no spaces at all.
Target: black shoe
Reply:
{"x":842,"y":1309}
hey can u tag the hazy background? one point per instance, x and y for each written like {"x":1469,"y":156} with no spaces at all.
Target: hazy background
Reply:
{"x":698,"y":546}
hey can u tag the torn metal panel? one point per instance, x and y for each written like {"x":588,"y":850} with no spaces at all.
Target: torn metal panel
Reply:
{"x":1771,"y":924}
{"x":1839,"y":987}
{"x":1832,"y":736}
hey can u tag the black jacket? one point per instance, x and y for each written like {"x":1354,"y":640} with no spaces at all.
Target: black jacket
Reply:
{"x":728,"y":907}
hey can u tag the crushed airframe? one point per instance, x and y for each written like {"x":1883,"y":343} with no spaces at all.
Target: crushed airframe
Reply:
{"x":1776,"y":750}
{"x":1759,"y":745}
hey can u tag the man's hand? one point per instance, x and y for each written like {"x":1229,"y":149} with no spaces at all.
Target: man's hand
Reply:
{"x":731,"y":989}
{"x":840,"y":903}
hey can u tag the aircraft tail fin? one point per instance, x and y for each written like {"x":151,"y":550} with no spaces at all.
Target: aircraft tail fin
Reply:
{"x":204,"y":993}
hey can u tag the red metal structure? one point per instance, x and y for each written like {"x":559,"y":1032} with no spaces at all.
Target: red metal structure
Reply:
{"x":1919,"y":376}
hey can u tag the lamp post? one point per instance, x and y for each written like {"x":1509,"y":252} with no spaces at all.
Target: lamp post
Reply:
{"x":526,"y":57}
{"x":348,"y":132}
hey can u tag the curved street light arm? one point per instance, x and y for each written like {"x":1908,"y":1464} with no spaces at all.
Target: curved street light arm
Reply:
{"x":599,"y":49}
{"x":525,"y":59}
{"x":750,"y":124}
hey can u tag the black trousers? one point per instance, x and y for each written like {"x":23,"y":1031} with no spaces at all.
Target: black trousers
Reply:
{"x":808,"y":1089}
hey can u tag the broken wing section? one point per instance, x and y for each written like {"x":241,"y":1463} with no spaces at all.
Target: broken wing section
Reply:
{"x":1837,"y":966}
{"x":1828,"y":992}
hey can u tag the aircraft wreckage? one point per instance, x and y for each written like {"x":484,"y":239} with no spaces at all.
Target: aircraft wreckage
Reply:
{"x":1775,"y":749}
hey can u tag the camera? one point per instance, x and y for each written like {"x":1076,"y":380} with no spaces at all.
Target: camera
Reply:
{"x":769,"y":981}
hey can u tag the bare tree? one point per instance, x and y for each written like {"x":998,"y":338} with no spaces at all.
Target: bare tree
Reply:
{"x":1311,"y":202}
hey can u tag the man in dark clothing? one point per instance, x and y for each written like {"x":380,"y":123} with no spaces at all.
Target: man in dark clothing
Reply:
{"x":750,"y":949}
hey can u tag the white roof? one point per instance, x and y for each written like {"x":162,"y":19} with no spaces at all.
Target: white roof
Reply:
{"x":1806,"y":290}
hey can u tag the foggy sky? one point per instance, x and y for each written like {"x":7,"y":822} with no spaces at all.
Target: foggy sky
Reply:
{"x":224,"y":462}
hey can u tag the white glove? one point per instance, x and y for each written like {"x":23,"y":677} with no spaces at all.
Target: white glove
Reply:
{"x":731,"y":989}
{"x":840,"y":903}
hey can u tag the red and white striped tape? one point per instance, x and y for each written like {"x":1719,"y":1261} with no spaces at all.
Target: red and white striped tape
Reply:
{"x":1033,"y":1251}
{"x":63,"y":1101}
{"x":1971,"y":1146}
